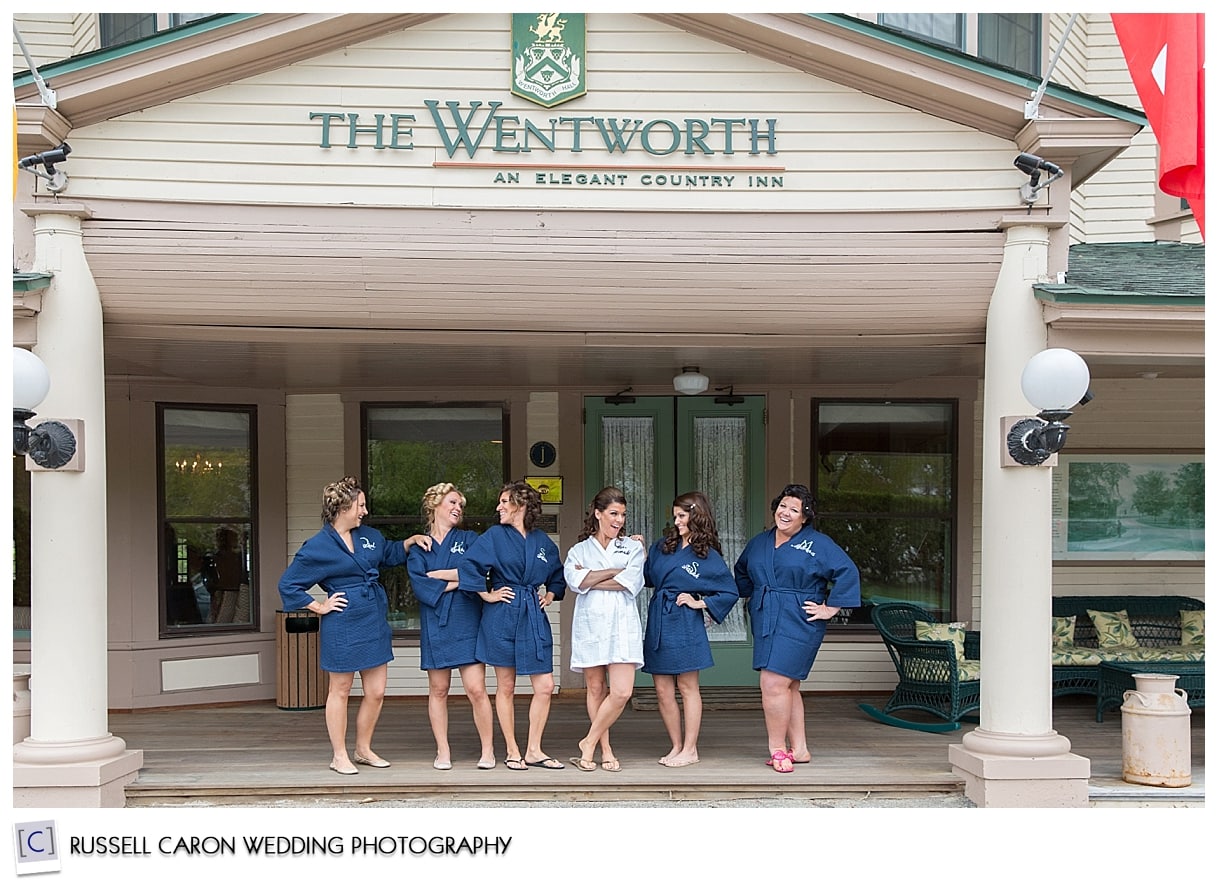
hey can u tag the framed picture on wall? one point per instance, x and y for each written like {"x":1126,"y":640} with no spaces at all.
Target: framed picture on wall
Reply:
{"x":1134,"y":507}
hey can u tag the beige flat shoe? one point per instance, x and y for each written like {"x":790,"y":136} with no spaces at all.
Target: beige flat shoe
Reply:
{"x":375,"y":763}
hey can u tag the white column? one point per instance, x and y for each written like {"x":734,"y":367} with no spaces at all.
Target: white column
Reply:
{"x":1015,"y":757}
{"x":70,"y":758}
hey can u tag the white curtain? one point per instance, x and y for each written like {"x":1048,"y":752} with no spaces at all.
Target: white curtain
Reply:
{"x":629,"y":464}
{"x":720,"y":454}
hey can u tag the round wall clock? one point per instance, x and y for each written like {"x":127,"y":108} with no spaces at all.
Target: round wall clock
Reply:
{"x":542,"y":454}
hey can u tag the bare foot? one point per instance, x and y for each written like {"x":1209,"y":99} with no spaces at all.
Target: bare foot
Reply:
{"x":586,"y":753}
{"x":667,"y":758}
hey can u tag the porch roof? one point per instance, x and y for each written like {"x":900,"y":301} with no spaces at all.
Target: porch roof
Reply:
{"x":1132,"y":306}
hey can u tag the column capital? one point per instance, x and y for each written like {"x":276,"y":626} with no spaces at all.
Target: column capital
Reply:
{"x":70,"y":209}
{"x":1008,"y":221}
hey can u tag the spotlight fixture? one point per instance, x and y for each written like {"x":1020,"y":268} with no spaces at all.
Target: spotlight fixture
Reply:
{"x":690,"y":381}
{"x":57,"y":181}
{"x":50,"y":444}
{"x":1054,"y":381}
{"x":621,"y":397}
{"x":1032,"y":165}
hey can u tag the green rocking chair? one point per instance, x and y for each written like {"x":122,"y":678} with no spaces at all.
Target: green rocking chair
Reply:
{"x":932,"y":676}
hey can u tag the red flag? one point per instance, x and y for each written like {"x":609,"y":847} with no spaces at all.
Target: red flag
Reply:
{"x":1166,"y":57}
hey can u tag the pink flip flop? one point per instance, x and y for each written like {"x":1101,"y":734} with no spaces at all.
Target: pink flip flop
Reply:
{"x":781,"y":761}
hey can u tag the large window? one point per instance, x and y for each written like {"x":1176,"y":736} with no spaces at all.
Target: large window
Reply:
{"x":941,"y":27}
{"x":885,"y":489}
{"x":207,"y":507}
{"x":116,"y":28}
{"x":409,"y":448}
{"x":1012,"y":39}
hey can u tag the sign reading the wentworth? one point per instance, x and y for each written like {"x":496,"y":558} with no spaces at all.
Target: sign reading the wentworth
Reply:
{"x":472,"y":128}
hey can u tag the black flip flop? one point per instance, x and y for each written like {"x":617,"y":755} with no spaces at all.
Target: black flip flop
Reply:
{"x":546,"y":763}
{"x":516,"y":764}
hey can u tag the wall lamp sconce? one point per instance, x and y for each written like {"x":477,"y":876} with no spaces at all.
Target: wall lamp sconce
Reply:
{"x":57,"y":181}
{"x":1032,"y":165}
{"x":690,"y":381}
{"x":621,"y":397}
{"x":730,"y":398}
{"x":50,"y":444}
{"x":1054,"y":381}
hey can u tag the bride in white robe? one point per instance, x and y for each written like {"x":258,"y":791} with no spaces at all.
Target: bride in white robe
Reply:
{"x":605,"y":571}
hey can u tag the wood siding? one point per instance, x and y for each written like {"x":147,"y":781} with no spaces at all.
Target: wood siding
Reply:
{"x":253,"y":141}
{"x":514,"y":271}
{"x":49,"y":36}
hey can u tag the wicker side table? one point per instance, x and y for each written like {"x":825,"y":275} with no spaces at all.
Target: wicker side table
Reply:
{"x":1117,"y":677}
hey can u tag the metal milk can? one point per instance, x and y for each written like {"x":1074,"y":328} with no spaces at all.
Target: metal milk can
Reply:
{"x":1156,"y":741}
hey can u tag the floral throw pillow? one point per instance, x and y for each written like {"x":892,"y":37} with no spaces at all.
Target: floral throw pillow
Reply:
{"x":933,"y":631}
{"x":1192,"y":627}
{"x":1063,"y":632}
{"x":1112,"y":629}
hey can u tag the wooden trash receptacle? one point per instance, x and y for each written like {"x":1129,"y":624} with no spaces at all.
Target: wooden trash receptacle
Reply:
{"x":300,"y":683}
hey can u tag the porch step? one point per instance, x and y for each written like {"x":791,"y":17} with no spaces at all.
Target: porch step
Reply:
{"x":713,"y":698}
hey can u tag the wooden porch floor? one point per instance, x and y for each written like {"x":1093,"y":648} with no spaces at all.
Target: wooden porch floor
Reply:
{"x":251,"y":752}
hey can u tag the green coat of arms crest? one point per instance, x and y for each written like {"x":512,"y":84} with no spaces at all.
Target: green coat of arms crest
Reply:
{"x":548,"y":56}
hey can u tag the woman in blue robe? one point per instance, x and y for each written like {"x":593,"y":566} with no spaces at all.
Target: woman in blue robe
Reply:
{"x":691,"y":579}
{"x":345,"y":560}
{"x":517,"y":571}
{"x":796,"y":579}
{"x":448,"y":622}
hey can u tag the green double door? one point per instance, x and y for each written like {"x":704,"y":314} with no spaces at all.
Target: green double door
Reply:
{"x":659,"y":447}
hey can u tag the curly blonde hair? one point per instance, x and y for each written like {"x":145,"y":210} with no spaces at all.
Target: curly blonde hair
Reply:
{"x":338,"y":497}
{"x":433,"y":496}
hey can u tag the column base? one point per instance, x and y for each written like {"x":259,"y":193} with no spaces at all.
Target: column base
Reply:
{"x":88,"y":784}
{"x":1018,"y":779}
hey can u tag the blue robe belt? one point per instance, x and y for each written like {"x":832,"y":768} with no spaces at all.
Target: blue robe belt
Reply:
{"x":537,"y":621}
{"x":365,"y":587}
{"x":769,"y":613}
{"x":667,"y":601}
{"x":443,"y":606}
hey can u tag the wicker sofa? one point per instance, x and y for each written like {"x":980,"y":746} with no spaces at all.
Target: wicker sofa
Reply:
{"x":1156,"y":626}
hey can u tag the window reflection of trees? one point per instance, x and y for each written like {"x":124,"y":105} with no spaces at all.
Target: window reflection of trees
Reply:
{"x":884,"y":487}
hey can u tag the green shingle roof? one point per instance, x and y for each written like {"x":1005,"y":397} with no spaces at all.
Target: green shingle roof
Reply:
{"x":1133,"y":273}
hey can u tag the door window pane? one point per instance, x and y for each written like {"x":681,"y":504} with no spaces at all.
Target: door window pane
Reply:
{"x":885,"y":488}
{"x":628,"y":446}
{"x":207,"y":510}
{"x":408,"y":449}
{"x":720,"y":452}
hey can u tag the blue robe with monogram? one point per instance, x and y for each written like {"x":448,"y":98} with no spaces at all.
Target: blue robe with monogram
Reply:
{"x":356,"y":637}
{"x":777,"y":581}
{"x":448,"y":620}
{"x":514,"y":634}
{"x":675,"y":640}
